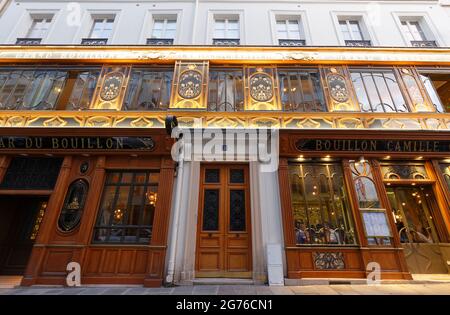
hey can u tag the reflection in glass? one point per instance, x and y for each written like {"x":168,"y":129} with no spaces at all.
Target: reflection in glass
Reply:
{"x":127,"y":208}
{"x":438,"y":88}
{"x":225,"y":90}
{"x":149,"y":89}
{"x":301,"y":90}
{"x":378,"y":91}
{"x":321,"y":210}
{"x":445,"y":168}
{"x":412,"y":214}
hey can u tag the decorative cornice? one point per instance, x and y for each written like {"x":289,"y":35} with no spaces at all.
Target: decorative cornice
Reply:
{"x":320,"y":55}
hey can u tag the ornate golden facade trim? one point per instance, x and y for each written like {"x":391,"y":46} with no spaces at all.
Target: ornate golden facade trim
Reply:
{"x":303,"y":55}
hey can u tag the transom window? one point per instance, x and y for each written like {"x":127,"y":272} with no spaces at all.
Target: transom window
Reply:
{"x":301,"y":90}
{"x":226,"y":28}
{"x":378,"y":90}
{"x":351,"y":29}
{"x":149,"y":89}
{"x":289,"y":29}
{"x":413,"y":31}
{"x":128,"y":207}
{"x":321,"y":210}
{"x":226,"y":90}
{"x":39,"y":27}
{"x":164,"y":28}
{"x":102,"y":28}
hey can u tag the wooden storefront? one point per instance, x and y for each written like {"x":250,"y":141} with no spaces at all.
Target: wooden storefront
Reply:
{"x":65,"y":229}
{"x":377,"y":150}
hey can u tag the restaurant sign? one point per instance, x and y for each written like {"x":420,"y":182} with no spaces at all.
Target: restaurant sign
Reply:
{"x":76,"y":143}
{"x":375,"y":145}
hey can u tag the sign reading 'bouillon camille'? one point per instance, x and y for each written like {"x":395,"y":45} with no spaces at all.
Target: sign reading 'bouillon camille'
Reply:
{"x":375,"y":145}
{"x":77,"y":143}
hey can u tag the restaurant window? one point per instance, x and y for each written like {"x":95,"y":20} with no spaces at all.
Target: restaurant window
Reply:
{"x":322,"y":214}
{"x":376,"y":224}
{"x":378,"y":90}
{"x":225,"y":90}
{"x":149,"y":89}
{"x":30,"y":89}
{"x":301,"y":90}
{"x":47,"y":89}
{"x":437,"y":84}
{"x":128,"y":207}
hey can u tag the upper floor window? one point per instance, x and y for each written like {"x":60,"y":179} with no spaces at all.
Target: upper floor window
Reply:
{"x":101,"y":31}
{"x":378,"y":90}
{"x":226,"y":90}
{"x":437,"y":84}
{"x":415,"y":34}
{"x":38,"y":30}
{"x":149,"y":89}
{"x":226,"y":31}
{"x":301,"y":90}
{"x":352,"y":32}
{"x":290,"y":31}
{"x":45,"y":89}
{"x":163,"y":31}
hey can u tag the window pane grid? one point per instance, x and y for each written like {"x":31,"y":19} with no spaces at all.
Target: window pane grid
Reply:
{"x":226,"y":90}
{"x":123,"y":214}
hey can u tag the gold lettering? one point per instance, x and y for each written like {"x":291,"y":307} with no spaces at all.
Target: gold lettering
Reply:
{"x":119,"y":143}
{"x":2,"y":144}
{"x":364,"y":145}
{"x":55,"y":143}
{"x":89,"y":144}
{"x":99,"y":145}
{"x":64,"y":143}
{"x":74,"y":143}
{"x":373,"y":145}
{"x":436,"y":146}
{"x":109,"y":143}
{"x":397,"y":146}
{"x":11,"y":143}
{"x":407,"y":146}
{"x":38,"y":143}
{"x":28,"y":143}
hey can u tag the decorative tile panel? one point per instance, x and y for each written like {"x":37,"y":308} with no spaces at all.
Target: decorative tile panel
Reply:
{"x":338,"y":89}
{"x":328,"y":260}
{"x":189,"y":88}
{"x":111,"y":88}
{"x":261,"y":89}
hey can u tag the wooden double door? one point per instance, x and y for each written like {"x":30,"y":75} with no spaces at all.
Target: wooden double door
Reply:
{"x":223,"y":228}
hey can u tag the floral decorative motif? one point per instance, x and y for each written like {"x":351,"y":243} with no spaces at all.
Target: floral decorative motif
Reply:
{"x":190,"y":84}
{"x":329,"y":260}
{"x":261,"y":87}
{"x":111,"y":86}
{"x":338,"y":88}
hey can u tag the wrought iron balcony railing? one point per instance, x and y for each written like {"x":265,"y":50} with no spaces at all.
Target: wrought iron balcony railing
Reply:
{"x":424,"y":43}
{"x":160,"y":41}
{"x":291,"y":42}
{"x":358,"y":43}
{"x":226,"y":41}
{"x":94,"y":41}
{"x":28,"y":41}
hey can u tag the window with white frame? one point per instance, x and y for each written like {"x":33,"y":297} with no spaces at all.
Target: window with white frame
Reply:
{"x":351,"y":29}
{"x":164,"y":27}
{"x":289,"y":31}
{"x":39,"y":26}
{"x":412,"y":30}
{"x":226,"y":28}
{"x":102,"y":27}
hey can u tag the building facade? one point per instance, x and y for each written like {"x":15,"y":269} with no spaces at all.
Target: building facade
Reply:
{"x":172,"y":141}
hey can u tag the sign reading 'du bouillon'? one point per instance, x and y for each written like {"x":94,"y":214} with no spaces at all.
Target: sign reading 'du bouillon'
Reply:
{"x":363,"y":145}
{"x":78,"y":143}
